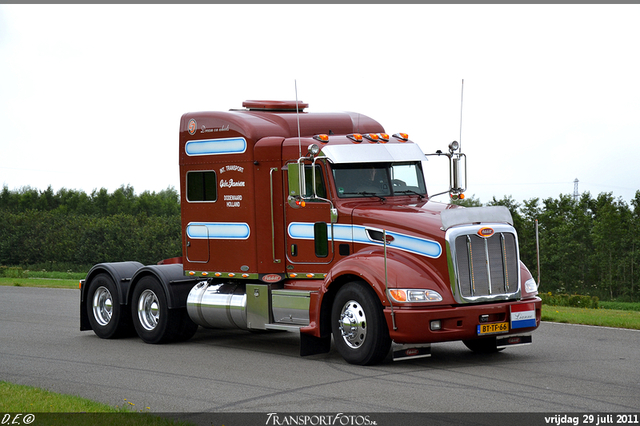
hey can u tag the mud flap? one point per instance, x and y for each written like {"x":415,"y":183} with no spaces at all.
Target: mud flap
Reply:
{"x":410,"y":351}
{"x":513,"y":340}
{"x":311,"y":345}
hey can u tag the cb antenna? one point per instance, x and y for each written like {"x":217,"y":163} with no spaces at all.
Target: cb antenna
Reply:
{"x":295,"y":83}
{"x":461,"y":101}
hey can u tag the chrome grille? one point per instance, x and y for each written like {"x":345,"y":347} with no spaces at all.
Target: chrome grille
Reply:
{"x":485,"y":268}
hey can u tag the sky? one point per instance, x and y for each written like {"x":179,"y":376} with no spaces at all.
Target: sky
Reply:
{"x":91,"y":95}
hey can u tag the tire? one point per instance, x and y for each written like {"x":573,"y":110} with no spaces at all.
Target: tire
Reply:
{"x":108,"y":318}
{"x":153,"y":320}
{"x":486,"y":345}
{"x":358,"y":325}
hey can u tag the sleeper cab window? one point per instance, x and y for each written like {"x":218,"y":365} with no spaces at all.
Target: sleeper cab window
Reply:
{"x":201,"y":186}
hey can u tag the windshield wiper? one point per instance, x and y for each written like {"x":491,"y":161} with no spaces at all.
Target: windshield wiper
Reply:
{"x":409,"y":191}
{"x":365,"y":193}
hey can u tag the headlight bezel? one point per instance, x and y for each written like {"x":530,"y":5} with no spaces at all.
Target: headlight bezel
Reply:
{"x":414,"y":295}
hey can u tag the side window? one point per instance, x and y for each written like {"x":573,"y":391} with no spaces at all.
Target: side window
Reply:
{"x":308,"y":180}
{"x":202,"y":186}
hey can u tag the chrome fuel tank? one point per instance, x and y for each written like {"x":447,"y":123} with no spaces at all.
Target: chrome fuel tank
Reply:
{"x":218,"y":305}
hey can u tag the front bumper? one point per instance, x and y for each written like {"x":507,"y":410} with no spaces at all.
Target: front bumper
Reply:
{"x":460,"y":322}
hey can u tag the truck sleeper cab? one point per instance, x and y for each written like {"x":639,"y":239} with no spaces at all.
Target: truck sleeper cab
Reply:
{"x":321,"y":223}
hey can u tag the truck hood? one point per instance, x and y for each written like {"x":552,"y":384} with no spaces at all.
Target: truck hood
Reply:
{"x":419,"y":228}
{"x":416,"y":228}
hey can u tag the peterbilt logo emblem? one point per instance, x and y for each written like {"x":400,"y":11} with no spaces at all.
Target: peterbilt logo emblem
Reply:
{"x":192,"y":126}
{"x":271,"y":278}
{"x":485,"y":232}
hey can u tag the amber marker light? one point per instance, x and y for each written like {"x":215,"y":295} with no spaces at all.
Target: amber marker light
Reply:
{"x":356,"y":137}
{"x":383,"y":137}
{"x":402,"y":136}
{"x":372,"y":137}
{"x":322,"y":138}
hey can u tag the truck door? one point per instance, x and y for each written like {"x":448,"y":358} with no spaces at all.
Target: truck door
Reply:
{"x":308,"y":226}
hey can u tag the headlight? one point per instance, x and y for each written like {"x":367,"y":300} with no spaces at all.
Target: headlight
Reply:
{"x":530,"y":286}
{"x":414,"y":295}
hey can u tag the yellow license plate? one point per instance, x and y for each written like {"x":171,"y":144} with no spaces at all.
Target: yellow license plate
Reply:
{"x":501,"y":327}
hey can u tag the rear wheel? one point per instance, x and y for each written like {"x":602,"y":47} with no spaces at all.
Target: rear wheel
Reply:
{"x":358,"y":325}
{"x":107,"y":317}
{"x":153,"y":320}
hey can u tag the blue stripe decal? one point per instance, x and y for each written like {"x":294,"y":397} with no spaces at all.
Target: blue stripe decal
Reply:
{"x":216,"y":146}
{"x":358,"y":234}
{"x":218,"y":230}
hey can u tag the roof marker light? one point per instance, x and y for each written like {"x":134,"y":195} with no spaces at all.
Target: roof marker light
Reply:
{"x":383,"y":137}
{"x":402,"y":136}
{"x":373,"y":138}
{"x":356,"y":137}
{"x":322,"y":138}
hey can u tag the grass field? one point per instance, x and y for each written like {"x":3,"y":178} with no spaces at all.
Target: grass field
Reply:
{"x":40,"y":282}
{"x":41,"y":403}
{"x":601,"y":317}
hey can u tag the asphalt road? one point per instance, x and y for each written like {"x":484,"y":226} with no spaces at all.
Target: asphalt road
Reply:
{"x":568,"y":368}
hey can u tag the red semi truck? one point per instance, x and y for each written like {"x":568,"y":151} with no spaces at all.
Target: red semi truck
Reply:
{"x":321,"y":223}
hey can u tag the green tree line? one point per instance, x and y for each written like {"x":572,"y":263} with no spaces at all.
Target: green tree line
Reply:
{"x":72,"y":229}
{"x":587,"y":245}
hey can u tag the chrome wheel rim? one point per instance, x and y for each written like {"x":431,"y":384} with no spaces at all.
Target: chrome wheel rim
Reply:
{"x":148,"y":310}
{"x":102,"y":306}
{"x":353,"y":324}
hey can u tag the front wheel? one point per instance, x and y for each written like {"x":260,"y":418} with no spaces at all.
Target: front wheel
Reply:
{"x":358,"y":325}
{"x":153,"y":320}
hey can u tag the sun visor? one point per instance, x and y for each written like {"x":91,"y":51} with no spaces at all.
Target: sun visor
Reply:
{"x":370,"y":153}
{"x":466,"y":216}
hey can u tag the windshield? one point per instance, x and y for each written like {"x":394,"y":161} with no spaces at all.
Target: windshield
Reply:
{"x":378,"y":179}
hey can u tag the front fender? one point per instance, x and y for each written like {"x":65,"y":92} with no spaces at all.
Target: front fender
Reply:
{"x":403,"y":270}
